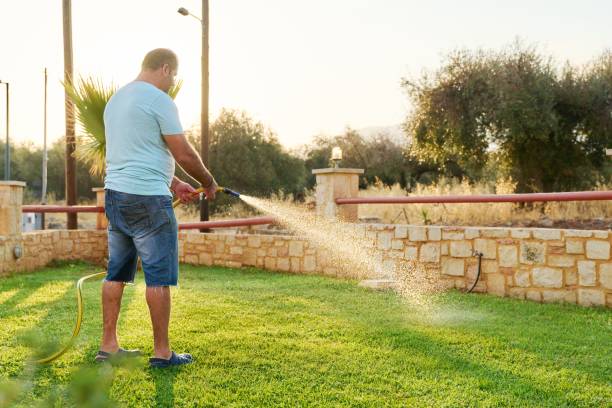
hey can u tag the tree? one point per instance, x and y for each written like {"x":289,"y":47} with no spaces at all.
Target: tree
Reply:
{"x":380,"y":157}
{"x":247,"y":157}
{"x":547,"y":128}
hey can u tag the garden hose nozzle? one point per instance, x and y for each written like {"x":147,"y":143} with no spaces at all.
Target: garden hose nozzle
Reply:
{"x":229,"y":192}
{"x":219,"y":190}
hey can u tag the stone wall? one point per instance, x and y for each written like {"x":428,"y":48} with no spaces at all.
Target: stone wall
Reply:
{"x":544,"y":265}
{"x":39,"y":248}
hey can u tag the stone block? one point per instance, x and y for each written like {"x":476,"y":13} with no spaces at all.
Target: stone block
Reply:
{"x":520,"y":233}
{"x":250,"y":257}
{"x":547,"y":277}
{"x":384,"y":240}
{"x":191,"y":259}
{"x":460,"y":249}
{"x":453,"y":234}
{"x":555,"y":248}
{"x":295,"y":264}
{"x":494,"y":232}
{"x":453,"y":267}
{"x":430,"y":252}
{"x":508,"y":256}
{"x":205,"y":259}
{"x":547,"y":234}
{"x":605,"y":275}
{"x":397,"y":244}
{"x":516,"y":293}
{"x":571,"y":277}
{"x":496,"y":284}
{"x":578,"y":233}
{"x":282,"y":264}
{"x":253,"y":241}
{"x":534,"y":295}
{"x":591,"y":297}
{"x":598,"y":249}
{"x":574,"y":246}
{"x":401,"y":231}
{"x":411,"y":253}
{"x":236,"y":250}
{"x":521,"y":278}
{"x":533,"y":252}
{"x":417,"y":233}
{"x":270,"y":263}
{"x":309,"y":263}
{"x":444,"y":248}
{"x":434,"y":233}
{"x":561,"y":260}
{"x":471,"y":233}
{"x":489,"y":266}
{"x":586,"y":273}
{"x":488,"y":247}
{"x":554,"y":296}
{"x":600,"y":234}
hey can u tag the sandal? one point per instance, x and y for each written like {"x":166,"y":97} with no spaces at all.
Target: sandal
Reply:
{"x":105,"y":356}
{"x":174,"y":360}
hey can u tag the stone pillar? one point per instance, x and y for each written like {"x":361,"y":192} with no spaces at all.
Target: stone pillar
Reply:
{"x":11,"y":199}
{"x":101,"y":221}
{"x":335,"y":183}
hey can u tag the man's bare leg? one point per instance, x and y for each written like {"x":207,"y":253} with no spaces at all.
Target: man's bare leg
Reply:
{"x":112,"y":293}
{"x":158,"y":299}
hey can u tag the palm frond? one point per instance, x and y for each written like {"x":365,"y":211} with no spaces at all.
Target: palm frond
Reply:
{"x":90,"y":97}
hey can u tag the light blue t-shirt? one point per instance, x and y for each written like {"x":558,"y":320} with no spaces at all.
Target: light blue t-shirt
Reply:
{"x":137,"y":158}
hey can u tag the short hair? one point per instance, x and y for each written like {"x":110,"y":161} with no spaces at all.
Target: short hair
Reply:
{"x":156,"y":58}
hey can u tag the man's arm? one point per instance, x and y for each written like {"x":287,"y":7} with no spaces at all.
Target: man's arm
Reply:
{"x":186,"y":156}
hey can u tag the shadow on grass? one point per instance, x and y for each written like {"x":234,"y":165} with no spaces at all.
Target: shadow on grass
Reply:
{"x":164,"y":379}
{"x":52,"y":332}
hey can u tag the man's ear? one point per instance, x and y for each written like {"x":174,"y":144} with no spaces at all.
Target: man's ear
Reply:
{"x":166,"y":69}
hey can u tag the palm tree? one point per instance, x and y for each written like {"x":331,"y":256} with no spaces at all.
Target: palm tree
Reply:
{"x":90,"y":97}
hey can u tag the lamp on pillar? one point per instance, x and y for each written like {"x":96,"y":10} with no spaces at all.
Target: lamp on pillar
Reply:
{"x":336,"y":156}
{"x":333,"y":183}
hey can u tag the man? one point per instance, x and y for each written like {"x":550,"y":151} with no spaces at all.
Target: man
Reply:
{"x":144,"y":137}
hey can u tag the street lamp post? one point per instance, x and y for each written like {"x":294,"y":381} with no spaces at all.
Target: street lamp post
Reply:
{"x":7,"y":146}
{"x":204,"y":125}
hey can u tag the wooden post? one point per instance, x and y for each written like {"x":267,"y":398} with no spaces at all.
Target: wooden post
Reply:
{"x":70,"y":172}
{"x":101,"y":220}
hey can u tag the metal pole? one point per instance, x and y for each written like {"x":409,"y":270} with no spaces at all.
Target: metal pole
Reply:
{"x":43,"y":198}
{"x":204,"y":125}
{"x":7,"y":152}
{"x":70,"y":175}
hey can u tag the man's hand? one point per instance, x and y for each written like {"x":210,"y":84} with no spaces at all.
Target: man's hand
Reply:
{"x":185,"y":192}
{"x":211,"y":190}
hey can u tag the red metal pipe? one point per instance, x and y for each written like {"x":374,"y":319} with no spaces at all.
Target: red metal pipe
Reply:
{"x":61,"y":209}
{"x":239,"y":222}
{"x":485,"y":198}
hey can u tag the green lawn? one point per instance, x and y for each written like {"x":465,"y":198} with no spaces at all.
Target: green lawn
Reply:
{"x":271,"y":339}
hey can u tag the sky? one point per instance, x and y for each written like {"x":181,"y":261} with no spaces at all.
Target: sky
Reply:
{"x":303,"y":68}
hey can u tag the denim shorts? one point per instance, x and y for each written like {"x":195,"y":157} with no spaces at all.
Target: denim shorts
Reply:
{"x":141,"y":226}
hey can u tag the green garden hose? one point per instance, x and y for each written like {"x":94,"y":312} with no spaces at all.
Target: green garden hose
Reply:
{"x":79,"y":320}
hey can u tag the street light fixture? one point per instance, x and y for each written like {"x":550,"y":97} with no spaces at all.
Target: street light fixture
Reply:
{"x":183,"y":11}
{"x":336,"y":156}
{"x":204,"y":128}
{"x":7,"y":146}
